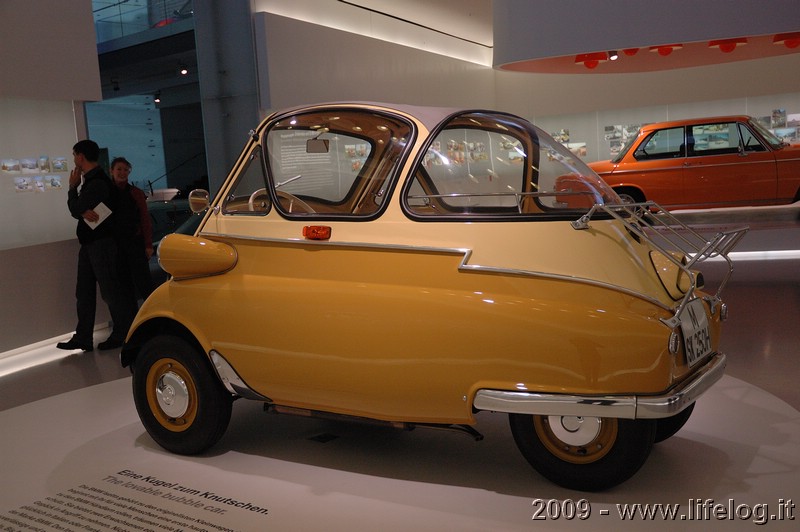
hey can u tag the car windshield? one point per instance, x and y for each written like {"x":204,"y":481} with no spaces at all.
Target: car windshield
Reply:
{"x":489,"y":165}
{"x":773,"y":141}
{"x":625,"y":148}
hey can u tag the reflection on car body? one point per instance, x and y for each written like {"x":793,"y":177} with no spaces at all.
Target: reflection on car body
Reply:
{"x":726,"y":161}
{"x":413,"y":266}
{"x":187,"y":227}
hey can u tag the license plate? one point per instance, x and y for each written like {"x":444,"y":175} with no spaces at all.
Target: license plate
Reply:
{"x":694,"y":325}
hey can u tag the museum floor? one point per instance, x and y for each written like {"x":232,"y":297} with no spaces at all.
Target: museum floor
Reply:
{"x":73,"y":453}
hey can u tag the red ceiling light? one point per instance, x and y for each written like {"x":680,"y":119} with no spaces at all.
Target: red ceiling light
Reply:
{"x":790,"y":40}
{"x":591,"y":60}
{"x":727,"y":45}
{"x":630,"y":51}
{"x":665,"y":49}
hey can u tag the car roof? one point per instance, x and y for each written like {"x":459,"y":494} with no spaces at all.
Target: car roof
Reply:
{"x":690,"y":121}
{"x":429,"y":116}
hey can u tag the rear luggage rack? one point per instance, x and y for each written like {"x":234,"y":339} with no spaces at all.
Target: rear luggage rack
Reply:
{"x":680,"y":244}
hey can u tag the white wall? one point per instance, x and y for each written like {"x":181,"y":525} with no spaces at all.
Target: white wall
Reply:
{"x":48,"y":50}
{"x":302,"y":62}
{"x":308,"y":63}
{"x":49,"y":60}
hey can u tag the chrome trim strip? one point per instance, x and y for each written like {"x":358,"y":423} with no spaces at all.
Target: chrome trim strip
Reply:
{"x":231,"y":380}
{"x":463,"y":266}
{"x":619,"y":406}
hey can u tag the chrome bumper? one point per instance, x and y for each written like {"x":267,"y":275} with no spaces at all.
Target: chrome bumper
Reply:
{"x":620,"y":406}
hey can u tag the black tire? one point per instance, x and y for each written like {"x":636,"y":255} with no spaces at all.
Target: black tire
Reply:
{"x":181,"y":403}
{"x":668,"y":426}
{"x":630,"y":195}
{"x":605,"y":451}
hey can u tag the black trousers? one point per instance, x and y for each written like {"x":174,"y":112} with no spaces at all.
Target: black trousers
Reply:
{"x":98,"y":266}
{"x":135,"y":267}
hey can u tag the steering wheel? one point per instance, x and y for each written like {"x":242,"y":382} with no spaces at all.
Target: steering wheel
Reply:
{"x":293,"y":203}
{"x":252,"y":200}
{"x":290,"y":201}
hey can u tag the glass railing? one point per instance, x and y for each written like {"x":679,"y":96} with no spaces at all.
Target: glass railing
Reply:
{"x":114,"y":19}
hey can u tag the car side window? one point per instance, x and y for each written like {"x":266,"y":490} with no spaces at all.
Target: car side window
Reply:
{"x":715,"y":139}
{"x":484,"y":166}
{"x":249,"y":194}
{"x":472,"y":169}
{"x":750,"y":142}
{"x":662,"y":144}
{"x":334,"y":164}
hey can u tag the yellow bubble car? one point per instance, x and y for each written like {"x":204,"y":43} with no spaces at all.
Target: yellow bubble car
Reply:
{"x":414,"y":266}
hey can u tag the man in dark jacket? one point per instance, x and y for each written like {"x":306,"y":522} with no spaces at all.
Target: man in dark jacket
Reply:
{"x":97,"y":258}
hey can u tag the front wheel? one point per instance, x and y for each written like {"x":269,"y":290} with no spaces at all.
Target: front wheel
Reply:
{"x":181,"y":403}
{"x":668,"y":426}
{"x":583,"y":453}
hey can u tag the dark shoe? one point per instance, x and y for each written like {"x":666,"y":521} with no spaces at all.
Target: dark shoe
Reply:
{"x":73,"y":344}
{"x":111,"y":343}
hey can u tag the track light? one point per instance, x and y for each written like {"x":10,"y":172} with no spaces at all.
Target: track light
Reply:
{"x":182,"y":70}
{"x":613,"y":55}
{"x":157,"y":97}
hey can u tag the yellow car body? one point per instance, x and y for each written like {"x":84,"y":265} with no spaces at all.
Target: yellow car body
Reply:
{"x":415,"y":266}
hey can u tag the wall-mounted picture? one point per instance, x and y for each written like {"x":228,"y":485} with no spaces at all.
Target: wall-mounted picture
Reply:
{"x":778,"y":118}
{"x":578,"y":148}
{"x":59,"y":164}
{"x":23,"y":184}
{"x":10,"y":165}
{"x":29,"y":165}
{"x":53,"y":182}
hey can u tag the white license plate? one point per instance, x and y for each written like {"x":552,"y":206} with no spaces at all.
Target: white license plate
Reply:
{"x":696,"y":337}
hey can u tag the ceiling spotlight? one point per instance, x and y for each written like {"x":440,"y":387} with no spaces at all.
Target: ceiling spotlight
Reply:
{"x":182,"y":70}
{"x":115,"y":84}
{"x":613,"y":55}
{"x":157,"y":97}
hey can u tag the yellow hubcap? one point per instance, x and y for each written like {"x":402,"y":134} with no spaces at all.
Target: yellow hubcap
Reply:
{"x":575,"y":439}
{"x":172,"y":395}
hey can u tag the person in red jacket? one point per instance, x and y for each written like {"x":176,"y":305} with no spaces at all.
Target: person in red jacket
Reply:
{"x":134,"y":230}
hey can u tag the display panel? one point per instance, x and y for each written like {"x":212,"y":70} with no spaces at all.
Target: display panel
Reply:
{"x":35,"y":158}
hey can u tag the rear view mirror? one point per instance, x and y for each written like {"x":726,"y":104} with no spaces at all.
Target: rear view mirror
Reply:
{"x":317,"y":146}
{"x":198,"y":200}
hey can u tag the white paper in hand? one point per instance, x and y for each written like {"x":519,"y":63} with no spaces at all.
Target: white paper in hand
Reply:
{"x":102,"y":211}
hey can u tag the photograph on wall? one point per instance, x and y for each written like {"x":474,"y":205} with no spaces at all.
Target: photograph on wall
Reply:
{"x":43,"y":163}
{"x":561,"y":136}
{"x":778,"y":118}
{"x":618,"y":135}
{"x":10,"y":165}
{"x":23,"y":184}
{"x":52,"y":182}
{"x":577,"y":148}
{"x":59,"y":164}
{"x":787,"y":134}
{"x":29,"y":165}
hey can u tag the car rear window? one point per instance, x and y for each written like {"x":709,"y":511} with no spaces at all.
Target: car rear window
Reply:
{"x":488,"y":166}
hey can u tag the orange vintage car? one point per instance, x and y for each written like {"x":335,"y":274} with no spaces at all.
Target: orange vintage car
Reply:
{"x":414,"y":266}
{"x":728,"y":161}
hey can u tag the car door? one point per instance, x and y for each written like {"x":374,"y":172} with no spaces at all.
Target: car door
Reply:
{"x":727,"y":166}
{"x":656,"y":167}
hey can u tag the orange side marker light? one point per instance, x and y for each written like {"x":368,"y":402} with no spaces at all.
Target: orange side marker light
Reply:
{"x":317,"y":232}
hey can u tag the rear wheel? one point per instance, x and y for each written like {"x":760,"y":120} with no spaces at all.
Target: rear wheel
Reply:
{"x":181,"y":403}
{"x":583,"y":453}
